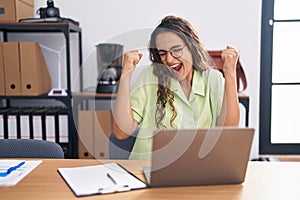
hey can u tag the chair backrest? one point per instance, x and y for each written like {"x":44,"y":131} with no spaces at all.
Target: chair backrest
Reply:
{"x":29,"y":148}
{"x":121,"y":149}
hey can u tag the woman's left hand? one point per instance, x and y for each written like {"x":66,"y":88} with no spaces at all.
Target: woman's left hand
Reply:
{"x":230,"y":113}
{"x":230,"y":57}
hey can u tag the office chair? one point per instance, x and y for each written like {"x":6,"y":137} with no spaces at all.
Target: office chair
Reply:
{"x":29,"y":148}
{"x":121,"y":149}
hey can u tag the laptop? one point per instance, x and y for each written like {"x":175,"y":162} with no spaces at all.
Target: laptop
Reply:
{"x":199,"y":157}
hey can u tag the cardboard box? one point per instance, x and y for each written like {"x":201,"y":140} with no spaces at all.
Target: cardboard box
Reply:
{"x":94,"y":129}
{"x":2,"y":80}
{"x":13,"y":10}
{"x":35,"y":77}
{"x":85,"y":134}
{"x":102,"y":131}
{"x":24,"y":69}
{"x":12,"y":72}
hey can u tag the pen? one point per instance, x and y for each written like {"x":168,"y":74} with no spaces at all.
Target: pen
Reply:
{"x":111,"y":178}
{"x":114,"y":181}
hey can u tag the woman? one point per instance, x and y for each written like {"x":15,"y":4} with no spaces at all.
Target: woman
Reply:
{"x":179,"y":91}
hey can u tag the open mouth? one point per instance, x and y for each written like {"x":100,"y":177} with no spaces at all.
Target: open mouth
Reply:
{"x":176,"y":67}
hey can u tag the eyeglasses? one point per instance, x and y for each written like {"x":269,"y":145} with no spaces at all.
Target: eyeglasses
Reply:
{"x":176,"y":53}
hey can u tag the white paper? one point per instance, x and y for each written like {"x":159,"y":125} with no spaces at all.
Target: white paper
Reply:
{"x":25,"y":126}
{"x":12,"y":126}
{"x":37,"y":127}
{"x":1,"y":127}
{"x":94,"y":179}
{"x":63,"y":128}
{"x":17,"y":175}
{"x":50,"y":128}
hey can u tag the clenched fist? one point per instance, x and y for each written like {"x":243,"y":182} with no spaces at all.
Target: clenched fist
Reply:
{"x":230,"y":57}
{"x":131,"y":59}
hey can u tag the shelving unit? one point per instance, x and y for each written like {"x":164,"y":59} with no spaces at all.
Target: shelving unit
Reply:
{"x":71,"y":149}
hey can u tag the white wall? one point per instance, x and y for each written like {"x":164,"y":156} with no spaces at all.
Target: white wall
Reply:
{"x":219,"y":23}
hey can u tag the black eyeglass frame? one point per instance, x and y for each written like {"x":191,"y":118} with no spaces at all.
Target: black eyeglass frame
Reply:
{"x":177,"y":54}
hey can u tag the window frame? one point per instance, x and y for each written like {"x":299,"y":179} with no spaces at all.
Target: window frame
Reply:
{"x":265,"y":145}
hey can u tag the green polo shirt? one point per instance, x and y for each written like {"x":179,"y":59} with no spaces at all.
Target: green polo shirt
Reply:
{"x":200,"y":110}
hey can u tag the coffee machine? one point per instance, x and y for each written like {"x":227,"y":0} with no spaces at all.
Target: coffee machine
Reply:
{"x":109,"y":63}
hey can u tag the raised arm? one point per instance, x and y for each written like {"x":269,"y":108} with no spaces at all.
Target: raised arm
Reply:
{"x":123,"y":122}
{"x":230,"y":113}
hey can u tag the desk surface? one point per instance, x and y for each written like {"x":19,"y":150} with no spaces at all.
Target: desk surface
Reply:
{"x":264,"y":180}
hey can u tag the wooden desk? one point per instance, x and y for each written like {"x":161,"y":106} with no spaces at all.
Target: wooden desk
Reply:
{"x":264,"y":181}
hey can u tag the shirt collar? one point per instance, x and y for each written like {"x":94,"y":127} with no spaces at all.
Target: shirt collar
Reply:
{"x":198,"y":86}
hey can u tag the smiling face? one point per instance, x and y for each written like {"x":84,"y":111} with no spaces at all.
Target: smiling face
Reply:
{"x":175,"y":55}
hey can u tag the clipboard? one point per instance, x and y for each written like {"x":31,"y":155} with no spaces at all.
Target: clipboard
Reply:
{"x":100,"y":179}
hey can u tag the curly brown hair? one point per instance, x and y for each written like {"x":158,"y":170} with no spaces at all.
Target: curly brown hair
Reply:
{"x":201,"y":62}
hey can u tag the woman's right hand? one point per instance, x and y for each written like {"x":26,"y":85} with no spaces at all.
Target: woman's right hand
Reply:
{"x":131,"y":59}
{"x":124,"y":123}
